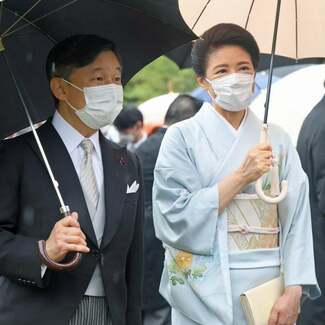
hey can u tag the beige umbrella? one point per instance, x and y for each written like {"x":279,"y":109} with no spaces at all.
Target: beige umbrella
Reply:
{"x":292,"y":28}
{"x":301,"y":32}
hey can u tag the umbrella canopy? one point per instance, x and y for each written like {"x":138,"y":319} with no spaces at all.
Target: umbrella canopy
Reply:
{"x":141,"y":29}
{"x":293,"y":97}
{"x":301,"y":23}
{"x":154,"y":110}
{"x":182,"y":57}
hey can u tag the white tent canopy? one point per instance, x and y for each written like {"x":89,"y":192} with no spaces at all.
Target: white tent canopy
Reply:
{"x":155,"y":109}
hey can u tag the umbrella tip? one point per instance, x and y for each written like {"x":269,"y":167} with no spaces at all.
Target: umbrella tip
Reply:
{"x":2,"y":47}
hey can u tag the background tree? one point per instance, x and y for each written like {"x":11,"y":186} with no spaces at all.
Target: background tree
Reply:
{"x":157,"y":78}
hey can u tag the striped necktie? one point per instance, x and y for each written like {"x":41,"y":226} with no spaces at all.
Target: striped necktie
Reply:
{"x":87,"y":173}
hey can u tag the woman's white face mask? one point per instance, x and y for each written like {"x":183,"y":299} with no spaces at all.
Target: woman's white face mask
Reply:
{"x":103,"y":104}
{"x":234,"y":92}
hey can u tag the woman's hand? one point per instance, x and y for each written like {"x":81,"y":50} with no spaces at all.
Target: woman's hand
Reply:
{"x":257,"y":162}
{"x":286,"y":309}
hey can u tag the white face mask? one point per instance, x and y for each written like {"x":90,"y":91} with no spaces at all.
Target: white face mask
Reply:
{"x":126,"y":139}
{"x":103,"y":104}
{"x":233,"y":92}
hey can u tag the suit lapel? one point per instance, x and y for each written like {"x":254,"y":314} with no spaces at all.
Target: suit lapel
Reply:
{"x":65,"y":173}
{"x":115,"y":182}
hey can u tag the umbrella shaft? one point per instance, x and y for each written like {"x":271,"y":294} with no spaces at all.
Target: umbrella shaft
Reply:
{"x":48,"y":167}
{"x":38,"y":141}
{"x":269,"y":84}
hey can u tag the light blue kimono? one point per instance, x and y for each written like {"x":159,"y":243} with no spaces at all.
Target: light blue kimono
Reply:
{"x":195,"y":155}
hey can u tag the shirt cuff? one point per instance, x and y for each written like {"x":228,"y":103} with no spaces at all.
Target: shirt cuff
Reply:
{"x":43,"y":270}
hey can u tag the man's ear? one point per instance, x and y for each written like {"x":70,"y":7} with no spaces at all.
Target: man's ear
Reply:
{"x":139,"y":125}
{"x":58,"y":89}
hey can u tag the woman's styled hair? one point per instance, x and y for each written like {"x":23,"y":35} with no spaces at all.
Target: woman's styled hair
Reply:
{"x":218,"y":36}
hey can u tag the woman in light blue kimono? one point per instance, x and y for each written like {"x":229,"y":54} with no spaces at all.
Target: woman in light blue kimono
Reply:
{"x":220,"y":239}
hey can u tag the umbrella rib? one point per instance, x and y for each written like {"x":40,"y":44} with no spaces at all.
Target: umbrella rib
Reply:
{"x":296,"y":12}
{"x":249,"y":13}
{"x":21,"y":18}
{"x":6,"y":34}
{"x":1,"y":10}
{"x":30,"y":23}
{"x":200,"y":15}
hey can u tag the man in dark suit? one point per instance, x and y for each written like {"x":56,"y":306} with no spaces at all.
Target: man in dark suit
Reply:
{"x":310,"y":147}
{"x":155,"y":309}
{"x":99,"y":180}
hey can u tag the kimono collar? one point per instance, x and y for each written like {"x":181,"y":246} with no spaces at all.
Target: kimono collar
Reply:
{"x":224,"y":121}
{"x":221,"y":136}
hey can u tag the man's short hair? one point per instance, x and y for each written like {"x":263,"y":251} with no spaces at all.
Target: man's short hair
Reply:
{"x":76,"y":52}
{"x":182,"y":108}
{"x":129,"y":117}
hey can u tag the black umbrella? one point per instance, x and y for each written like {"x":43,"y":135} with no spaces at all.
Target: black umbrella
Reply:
{"x":141,"y":29}
{"x":182,"y":57}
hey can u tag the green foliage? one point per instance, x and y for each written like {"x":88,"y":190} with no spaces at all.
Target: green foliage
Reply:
{"x":157,"y":78}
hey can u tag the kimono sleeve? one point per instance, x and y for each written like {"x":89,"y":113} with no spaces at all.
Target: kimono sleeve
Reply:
{"x":185,"y":213}
{"x":295,"y":216}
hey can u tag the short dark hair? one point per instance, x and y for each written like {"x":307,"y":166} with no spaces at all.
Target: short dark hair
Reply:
{"x":76,"y":52}
{"x":129,"y":117}
{"x":182,"y":108}
{"x":218,"y":36}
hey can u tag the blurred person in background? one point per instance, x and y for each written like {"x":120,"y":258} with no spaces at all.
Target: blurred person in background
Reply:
{"x":312,"y":154}
{"x":156,"y":310}
{"x":129,"y":123}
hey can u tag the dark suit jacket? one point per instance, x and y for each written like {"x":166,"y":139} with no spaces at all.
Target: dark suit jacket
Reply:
{"x":311,"y":148}
{"x":29,"y":209}
{"x":153,"y":250}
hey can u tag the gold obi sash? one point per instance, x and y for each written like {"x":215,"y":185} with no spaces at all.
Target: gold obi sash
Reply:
{"x":252,"y":223}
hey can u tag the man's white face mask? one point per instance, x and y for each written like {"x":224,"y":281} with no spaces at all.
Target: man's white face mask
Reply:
{"x":103,"y":105}
{"x":233,"y":92}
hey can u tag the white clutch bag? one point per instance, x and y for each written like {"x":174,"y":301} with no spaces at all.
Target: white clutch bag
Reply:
{"x":258,"y":302}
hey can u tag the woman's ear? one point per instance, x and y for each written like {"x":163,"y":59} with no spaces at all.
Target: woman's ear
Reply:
{"x":58,"y":89}
{"x":203,"y":83}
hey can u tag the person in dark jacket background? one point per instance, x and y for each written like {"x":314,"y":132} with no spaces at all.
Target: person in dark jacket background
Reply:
{"x":312,"y":154}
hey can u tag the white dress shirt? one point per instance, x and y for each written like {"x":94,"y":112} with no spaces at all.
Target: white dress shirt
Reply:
{"x":72,"y":140}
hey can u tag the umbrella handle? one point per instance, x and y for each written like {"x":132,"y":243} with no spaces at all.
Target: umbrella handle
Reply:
{"x":270,"y":199}
{"x":277,"y":195}
{"x":46,"y":260}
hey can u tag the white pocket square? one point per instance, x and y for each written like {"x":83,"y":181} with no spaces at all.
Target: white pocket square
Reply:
{"x":133,"y":188}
